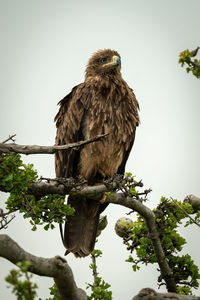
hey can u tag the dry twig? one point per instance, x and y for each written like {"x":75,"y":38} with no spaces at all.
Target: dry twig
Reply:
{"x":9,"y":138}
{"x":35,"y":149}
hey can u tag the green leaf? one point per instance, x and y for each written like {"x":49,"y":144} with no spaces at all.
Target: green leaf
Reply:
{"x":34,"y":228}
{"x":46,"y":227}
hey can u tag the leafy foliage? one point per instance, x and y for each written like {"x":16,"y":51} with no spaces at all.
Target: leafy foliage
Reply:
{"x":100,"y":288}
{"x":23,"y":289}
{"x":46,"y":210}
{"x":193,"y":65}
{"x":196,"y":218}
{"x":54,"y":293}
{"x":16,"y":177}
{"x":168,"y":218}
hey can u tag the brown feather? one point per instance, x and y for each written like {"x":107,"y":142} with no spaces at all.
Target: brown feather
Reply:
{"x":103,"y":103}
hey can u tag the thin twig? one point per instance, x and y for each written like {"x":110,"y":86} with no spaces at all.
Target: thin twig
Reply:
{"x":193,"y":220}
{"x":9,"y":138}
{"x":4,"y":219}
{"x":94,"y":270}
{"x":194,"y":64}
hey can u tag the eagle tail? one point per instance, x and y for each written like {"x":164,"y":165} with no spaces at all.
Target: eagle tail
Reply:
{"x":81,"y":228}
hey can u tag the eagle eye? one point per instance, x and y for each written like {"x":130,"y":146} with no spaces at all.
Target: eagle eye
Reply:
{"x":103,"y":60}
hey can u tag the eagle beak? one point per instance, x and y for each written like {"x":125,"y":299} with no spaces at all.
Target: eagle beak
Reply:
{"x":115,"y":62}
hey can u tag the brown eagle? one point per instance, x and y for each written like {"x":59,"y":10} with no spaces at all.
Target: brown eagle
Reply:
{"x":103,"y":103}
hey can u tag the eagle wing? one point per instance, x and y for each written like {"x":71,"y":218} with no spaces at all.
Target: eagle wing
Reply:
{"x":80,"y":229}
{"x":69,"y":121}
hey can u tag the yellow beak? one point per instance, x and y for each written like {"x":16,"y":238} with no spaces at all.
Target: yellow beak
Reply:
{"x":116,"y":61}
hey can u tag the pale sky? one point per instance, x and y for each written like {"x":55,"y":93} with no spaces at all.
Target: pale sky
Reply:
{"x":45,"y":46}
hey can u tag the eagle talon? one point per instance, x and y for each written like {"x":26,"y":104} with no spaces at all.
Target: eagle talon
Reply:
{"x":66,"y":252}
{"x":103,"y":199}
{"x":102,"y":174}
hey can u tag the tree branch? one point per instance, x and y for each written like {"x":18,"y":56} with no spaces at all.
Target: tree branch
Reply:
{"x":64,"y":187}
{"x":55,"y":267}
{"x":94,"y":270}
{"x":35,"y":149}
{"x":192,"y":219}
{"x":150,"y":294}
{"x":149,"y":217}
{"x":43,"y":188}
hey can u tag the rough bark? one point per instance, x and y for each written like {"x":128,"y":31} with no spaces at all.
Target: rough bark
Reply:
{"x":150,"y":294}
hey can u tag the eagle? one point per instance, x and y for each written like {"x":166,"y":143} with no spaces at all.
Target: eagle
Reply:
{"x":103,"y":103}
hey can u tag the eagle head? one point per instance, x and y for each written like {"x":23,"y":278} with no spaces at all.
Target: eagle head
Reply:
{"x":104,"y":63}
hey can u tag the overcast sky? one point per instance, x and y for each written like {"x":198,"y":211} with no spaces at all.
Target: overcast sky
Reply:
{"x":45,"y":46}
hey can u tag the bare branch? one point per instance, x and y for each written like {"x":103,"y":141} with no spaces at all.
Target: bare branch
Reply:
{"x":35,"y":149}
{"x":194,"y":64}
{"x":55,"y":267}
{"x":195,"y":51}
{"x":4,"y":221}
